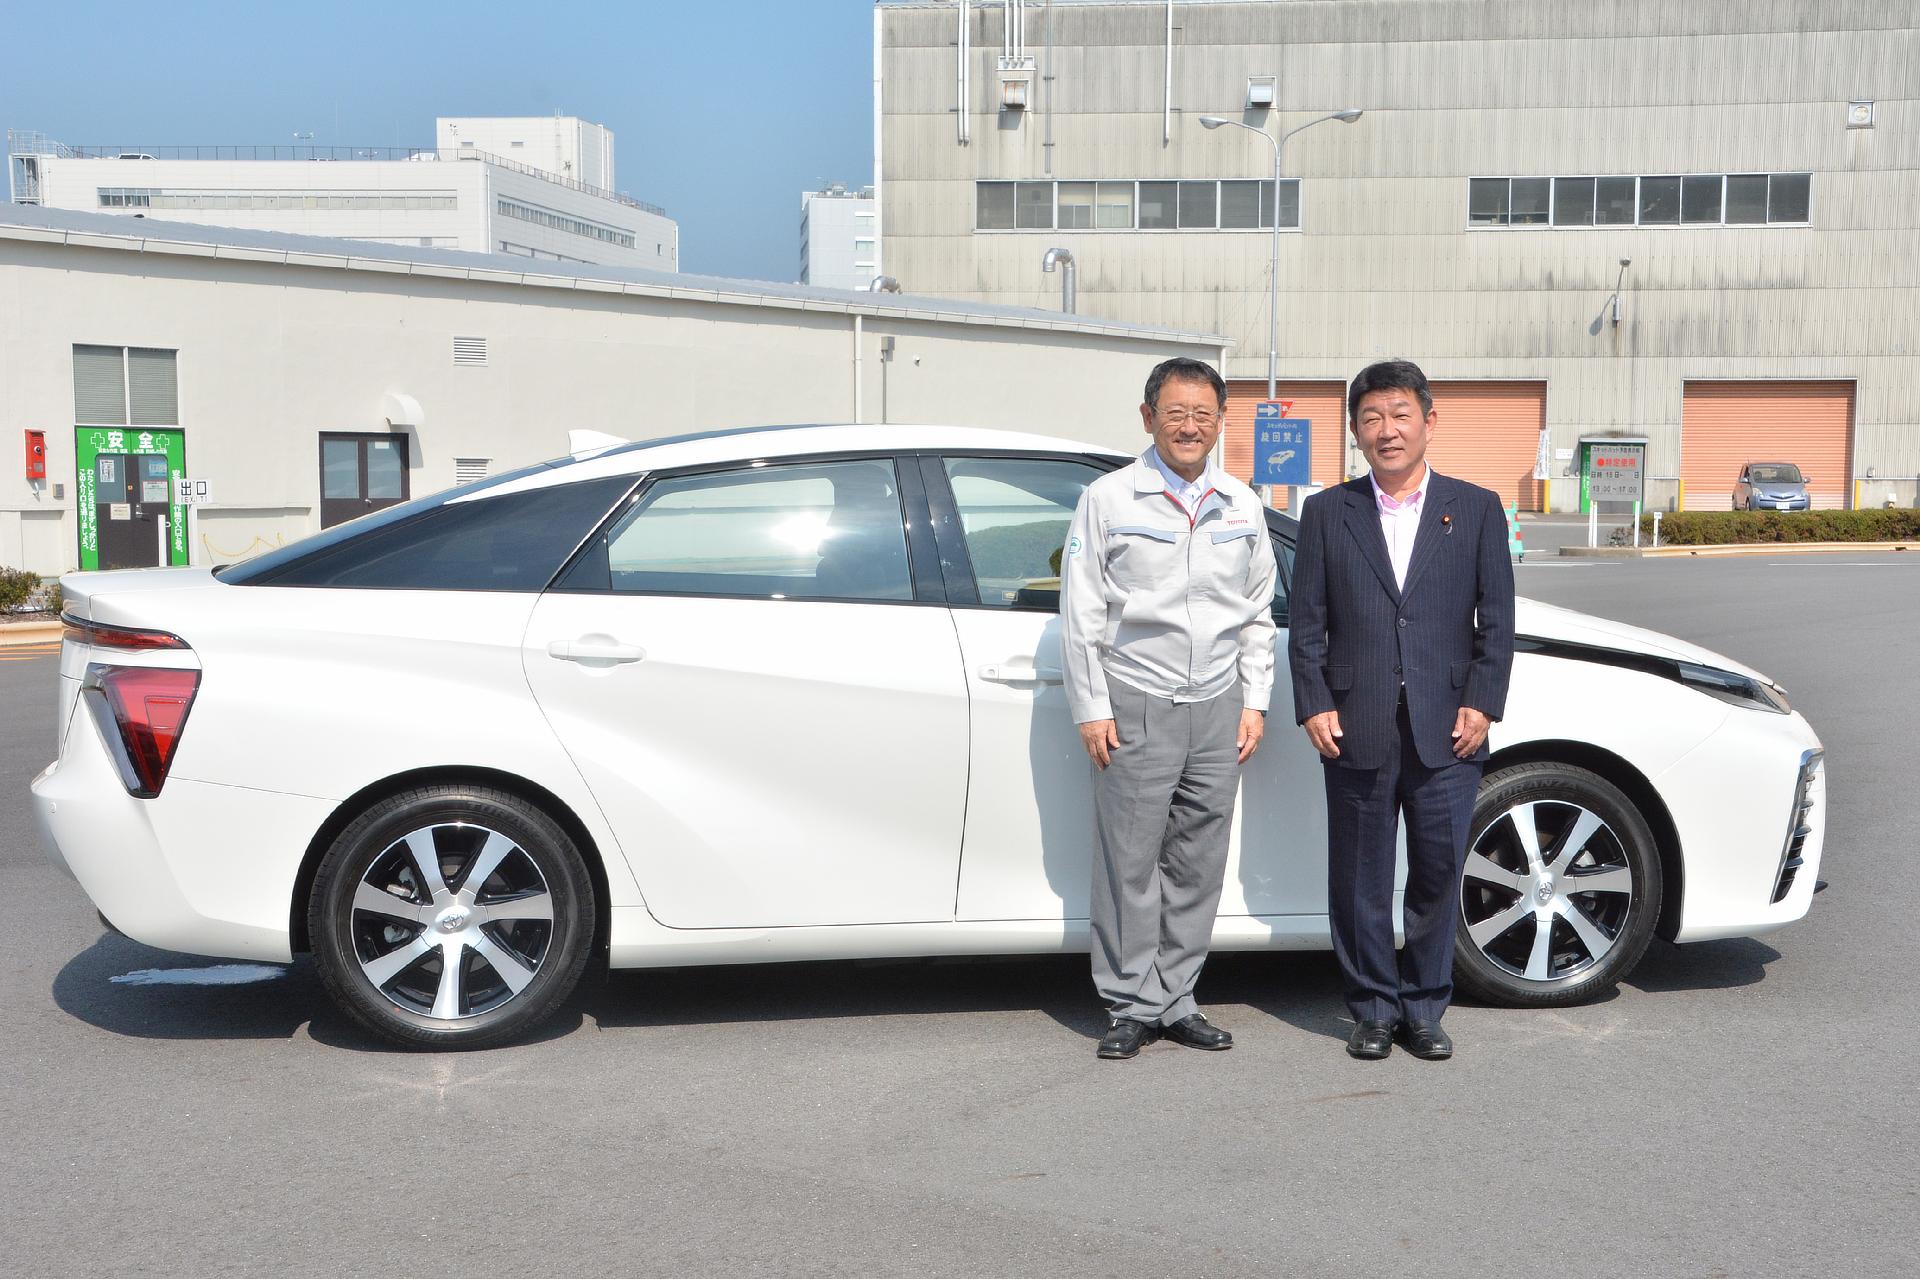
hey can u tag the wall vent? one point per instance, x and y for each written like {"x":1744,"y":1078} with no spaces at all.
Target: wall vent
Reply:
{"x":468,"y":469}
{"x":470,"y":351}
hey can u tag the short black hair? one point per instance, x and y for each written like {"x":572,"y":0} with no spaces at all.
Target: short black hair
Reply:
{"x":1180,"y":368}
{"x":1389,"y":375}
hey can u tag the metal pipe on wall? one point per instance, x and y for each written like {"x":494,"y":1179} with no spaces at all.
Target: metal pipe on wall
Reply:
{"x":961,"y":79}
{"x":1068,"y":293}
{"x":1166,"y":109}
{"x":859,"y":373}
{"x":1046,"y":147}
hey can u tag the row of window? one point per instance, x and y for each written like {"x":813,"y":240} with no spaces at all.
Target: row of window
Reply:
{"x":1184,"y":205}
{"x":561,"y":222}
{"x":1703,"y":199}
{"x":804,"y":530}
{"x":152,"y":198}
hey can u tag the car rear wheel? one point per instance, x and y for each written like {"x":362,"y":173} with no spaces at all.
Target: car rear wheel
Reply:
{"x":1561,"y":891}
{"x":451,"y":917}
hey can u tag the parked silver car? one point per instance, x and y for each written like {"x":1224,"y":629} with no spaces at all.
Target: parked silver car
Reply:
{"x":1771,"y":486}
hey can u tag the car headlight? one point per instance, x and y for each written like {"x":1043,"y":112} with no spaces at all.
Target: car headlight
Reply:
{"x":1732,"y":687}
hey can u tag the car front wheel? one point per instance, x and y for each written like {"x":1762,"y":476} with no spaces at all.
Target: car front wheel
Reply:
{"x":1561,"y":891}
{"x":451,"y":917}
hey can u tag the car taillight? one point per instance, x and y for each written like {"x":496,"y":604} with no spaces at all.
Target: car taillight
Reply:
{"x":140,"y":711}
{"x":101,"y":635}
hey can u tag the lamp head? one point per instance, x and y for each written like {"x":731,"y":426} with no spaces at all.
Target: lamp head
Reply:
{"x":1625,"y":263}
{"x":1212,"y":121}
{"x":1348,"y":116}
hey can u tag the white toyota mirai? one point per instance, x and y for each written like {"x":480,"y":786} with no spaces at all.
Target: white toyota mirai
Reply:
{"x":794,"y":693}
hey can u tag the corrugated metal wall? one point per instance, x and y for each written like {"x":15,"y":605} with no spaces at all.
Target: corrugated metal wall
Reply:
{"x":1725,"y":425}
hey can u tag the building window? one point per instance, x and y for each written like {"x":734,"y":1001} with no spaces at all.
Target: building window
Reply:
{"x":1699,"y":199}
{"x":254,"y":201}
{"x":561,"y":222}
{"x":1122,"y":205}
{"x":125,"y":386}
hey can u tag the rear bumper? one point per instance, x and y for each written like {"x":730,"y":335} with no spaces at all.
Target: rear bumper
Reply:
{"x":207,"y":870}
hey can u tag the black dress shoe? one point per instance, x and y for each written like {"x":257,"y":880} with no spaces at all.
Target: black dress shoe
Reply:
{"x":1194,"y":1031}
{"x":1370,"y":1040}
{"x":1425,"y":1039}
{"x":1124,"y":1039}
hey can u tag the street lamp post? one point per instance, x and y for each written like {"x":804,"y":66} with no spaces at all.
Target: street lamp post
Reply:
{"x":1273,"y":270}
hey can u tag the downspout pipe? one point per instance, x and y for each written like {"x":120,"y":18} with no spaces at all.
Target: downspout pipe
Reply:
{"x":859,"y":372}
{"x":961,"y":78}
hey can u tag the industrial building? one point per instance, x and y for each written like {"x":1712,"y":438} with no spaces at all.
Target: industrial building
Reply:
{"x":1591,"y":221}
{"x":293,"y":381}
{"x":838,"y":243}
{"x":537,"y":187}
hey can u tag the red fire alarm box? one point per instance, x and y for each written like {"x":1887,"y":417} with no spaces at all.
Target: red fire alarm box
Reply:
{"x":36,"y":455}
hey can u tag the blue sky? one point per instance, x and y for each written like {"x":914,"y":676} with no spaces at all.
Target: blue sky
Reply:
{"x":721,"y":112}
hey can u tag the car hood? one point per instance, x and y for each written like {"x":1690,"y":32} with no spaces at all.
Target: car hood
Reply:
{"x":1548,"y":622}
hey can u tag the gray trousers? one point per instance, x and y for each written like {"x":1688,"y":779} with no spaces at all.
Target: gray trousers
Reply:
{"x":1163,"y":811}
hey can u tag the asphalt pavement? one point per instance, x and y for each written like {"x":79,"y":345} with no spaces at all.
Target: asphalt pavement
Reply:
{"x":1741,"y":1107}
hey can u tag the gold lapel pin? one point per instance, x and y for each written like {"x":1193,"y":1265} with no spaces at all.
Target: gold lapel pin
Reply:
{"x":1446,"y":522}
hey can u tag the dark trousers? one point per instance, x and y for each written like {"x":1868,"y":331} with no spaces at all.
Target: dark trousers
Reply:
{"x":1363,"y":820}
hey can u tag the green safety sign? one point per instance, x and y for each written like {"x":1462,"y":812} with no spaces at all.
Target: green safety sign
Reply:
{"x":91,"y":443}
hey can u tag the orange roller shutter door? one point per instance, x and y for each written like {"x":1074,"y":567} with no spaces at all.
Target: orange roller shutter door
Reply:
{"x":1725,"y":425}
{"x":1489,"y":434}
{"x":1322,"y":403}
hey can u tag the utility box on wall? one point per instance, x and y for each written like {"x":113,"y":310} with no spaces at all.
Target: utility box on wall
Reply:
{"x":36,"y":456}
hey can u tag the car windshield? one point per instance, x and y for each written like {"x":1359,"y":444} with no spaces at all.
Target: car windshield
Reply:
{"x":1774,"y":473}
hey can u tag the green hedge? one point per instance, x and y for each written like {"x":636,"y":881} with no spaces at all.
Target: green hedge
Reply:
{"x":1721,"y":528}
{"x":17,"y":586}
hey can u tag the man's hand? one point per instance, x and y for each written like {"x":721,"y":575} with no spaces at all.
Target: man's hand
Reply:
{"x":1469,"y":731}
{"x":1253,"y":726}
{"x":1101,"y":737}
{"x":1323,"y":730}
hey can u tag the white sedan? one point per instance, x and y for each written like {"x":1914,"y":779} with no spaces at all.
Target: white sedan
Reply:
{"x":794,"y":693}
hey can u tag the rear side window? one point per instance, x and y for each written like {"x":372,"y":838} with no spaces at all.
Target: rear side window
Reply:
{"x":514,"y":542}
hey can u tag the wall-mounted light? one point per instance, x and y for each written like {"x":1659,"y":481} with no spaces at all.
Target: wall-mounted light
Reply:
{"x":1860,"y":114}
{"x":1624,"y":264}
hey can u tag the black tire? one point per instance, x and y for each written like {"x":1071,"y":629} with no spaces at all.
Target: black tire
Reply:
{"x":382,"y":932}
{"x":1511,"y":964}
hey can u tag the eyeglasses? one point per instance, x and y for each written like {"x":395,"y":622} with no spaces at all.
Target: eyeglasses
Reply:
{"x":1180,"y":417}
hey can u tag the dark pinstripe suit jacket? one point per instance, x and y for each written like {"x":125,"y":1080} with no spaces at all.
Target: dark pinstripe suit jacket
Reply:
{"x":1355,"y":635}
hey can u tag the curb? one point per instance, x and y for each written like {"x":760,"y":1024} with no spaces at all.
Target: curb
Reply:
{"x":28,"y":632}
{"x":1732,"y":548}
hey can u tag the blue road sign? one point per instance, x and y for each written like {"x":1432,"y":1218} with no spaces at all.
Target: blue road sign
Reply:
{"x":1282,"y":446}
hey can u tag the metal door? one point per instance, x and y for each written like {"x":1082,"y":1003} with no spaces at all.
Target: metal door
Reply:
{"x":360,"y":474}
{"x":131,"y":493}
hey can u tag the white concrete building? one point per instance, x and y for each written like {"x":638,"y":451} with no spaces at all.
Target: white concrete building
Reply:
{"x":309,"y":380}
{"x":839,"y":244}
{"x":563,"y":145}
{"x":456,"y":197}
{"x":1592,"y":222}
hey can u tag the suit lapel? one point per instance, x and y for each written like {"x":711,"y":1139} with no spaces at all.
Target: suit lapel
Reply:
{"x":1363,"y":521}
{"x":1426,"y":542}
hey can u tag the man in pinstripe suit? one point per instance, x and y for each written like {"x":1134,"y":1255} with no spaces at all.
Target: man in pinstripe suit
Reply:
{"x":1401,"y":646}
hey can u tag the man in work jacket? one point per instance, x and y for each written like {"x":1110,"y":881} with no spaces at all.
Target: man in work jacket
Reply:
{"x":1167,"y":636}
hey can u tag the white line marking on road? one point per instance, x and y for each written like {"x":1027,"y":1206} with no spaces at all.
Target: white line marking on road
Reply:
{"x":216,"y":975}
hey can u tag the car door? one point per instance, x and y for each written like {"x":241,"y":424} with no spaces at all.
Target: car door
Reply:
{"x":1028,"y":848}
{"x":767,"y":706}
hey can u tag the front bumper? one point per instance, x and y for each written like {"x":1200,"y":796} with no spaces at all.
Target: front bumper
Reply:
{"x":1741,"y":810}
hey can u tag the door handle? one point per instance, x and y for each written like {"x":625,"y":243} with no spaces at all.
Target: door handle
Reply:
{"x":595,"y":650}
{"x":1021,"y":675}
